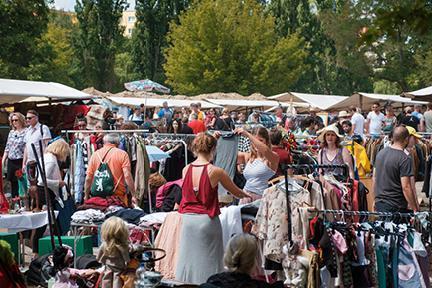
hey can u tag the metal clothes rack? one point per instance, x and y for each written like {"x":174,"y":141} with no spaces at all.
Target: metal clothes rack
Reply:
{"x":67,"y":132}
{"x":164,"y":140}
{"x":366,"y":213}
{"x":103,"y":131}
{"x":297,"y":166}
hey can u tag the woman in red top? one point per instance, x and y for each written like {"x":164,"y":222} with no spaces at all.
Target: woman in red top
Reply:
{"x":201,"y":245}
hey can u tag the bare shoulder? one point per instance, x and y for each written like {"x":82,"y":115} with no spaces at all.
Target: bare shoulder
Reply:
{"x":185,"y":169}
{"x":212,"y":169}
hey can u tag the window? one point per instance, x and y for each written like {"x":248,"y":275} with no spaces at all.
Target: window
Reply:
{"x":130,"y":31}
{"x":131,"y":19}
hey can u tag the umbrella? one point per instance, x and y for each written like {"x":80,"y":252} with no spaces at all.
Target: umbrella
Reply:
{"x":156,"y":154}
{"x":146,"y":85}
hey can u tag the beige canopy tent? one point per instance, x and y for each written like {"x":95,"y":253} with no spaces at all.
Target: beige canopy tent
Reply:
{"x":14,"y":91}
{"x":250,"y":104}
{"x":424,"y":94}
{"x":365,"y":101}
{"x":157,"y":102}
{"x":322,"y":102}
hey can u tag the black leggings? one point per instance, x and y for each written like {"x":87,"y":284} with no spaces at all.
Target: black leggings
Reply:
{"x":12,"y":167}
{"x":40,"y":231}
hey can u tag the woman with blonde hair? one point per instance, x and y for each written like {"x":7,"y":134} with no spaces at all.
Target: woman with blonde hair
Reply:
{"x":56,"y":152}
{"x":201,"y":244}
{"x":114,"y":251}
{"x":239,"y":259}
{"x":260,"y":164}
{"x":14,"y":150}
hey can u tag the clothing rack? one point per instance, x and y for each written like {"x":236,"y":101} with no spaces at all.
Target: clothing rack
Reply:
{"x":367,"y":213}
{"x":103,"y":131}
{"x":318,"y":166}
{"x":170,"y":135}
{"x":166,"y":140}
{"x":285,"y":168}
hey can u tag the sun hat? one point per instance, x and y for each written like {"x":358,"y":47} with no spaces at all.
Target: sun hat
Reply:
{"x":330,"y":128}
{"x":412,"y":132}
{"x":343,"y":114}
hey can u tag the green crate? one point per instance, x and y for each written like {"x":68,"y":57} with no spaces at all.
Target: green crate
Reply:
{"x":84,"y":244}
{"x":12,"y":239}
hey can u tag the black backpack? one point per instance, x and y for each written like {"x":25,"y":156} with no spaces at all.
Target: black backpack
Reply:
{"x":40,"y":271}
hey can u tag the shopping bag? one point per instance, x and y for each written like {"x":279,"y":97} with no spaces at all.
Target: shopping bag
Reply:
{"x":22,"y":183}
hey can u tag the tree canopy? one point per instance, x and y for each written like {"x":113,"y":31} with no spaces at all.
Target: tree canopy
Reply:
{"x":321,"y":46}
{"x":231,"y":46}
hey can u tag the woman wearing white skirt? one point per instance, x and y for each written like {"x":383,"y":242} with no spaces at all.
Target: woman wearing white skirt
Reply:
{"x":201,"y":246}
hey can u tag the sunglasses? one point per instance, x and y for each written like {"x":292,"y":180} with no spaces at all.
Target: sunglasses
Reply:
{"x":14,"y":120}
{"x":29,"y":118}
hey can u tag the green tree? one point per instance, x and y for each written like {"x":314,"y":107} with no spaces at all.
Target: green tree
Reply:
{"x":98,"y":39}
{"x":22,"y":24}
{"x":149,"y":36}
{"x":58,"y":40}
{"x":343,"y":26}
{"x":231,"y":46}
{"x":124,"y":66}
{"x":395,"y":35}
{"x":316,"y":23}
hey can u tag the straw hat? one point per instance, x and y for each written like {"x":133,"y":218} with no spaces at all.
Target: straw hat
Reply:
{"x":330,"y":128}
{"x":343,"y":114}
{"x":412,"y":132}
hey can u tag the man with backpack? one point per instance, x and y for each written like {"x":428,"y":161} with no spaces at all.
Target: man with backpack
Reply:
{"x":35,"y":132}
{"x":109,"y":171}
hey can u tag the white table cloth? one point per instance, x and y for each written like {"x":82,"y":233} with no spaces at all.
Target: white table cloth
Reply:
{"x":23,"y":221}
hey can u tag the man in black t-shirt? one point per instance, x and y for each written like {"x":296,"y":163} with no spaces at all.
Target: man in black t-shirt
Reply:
{"x":409,"y":119}
{"x":393,"y":169}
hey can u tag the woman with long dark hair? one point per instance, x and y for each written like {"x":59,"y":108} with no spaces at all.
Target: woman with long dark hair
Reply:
{"x":333,"y":153}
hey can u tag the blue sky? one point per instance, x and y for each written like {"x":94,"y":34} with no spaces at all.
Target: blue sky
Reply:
{"x":68,"y":5}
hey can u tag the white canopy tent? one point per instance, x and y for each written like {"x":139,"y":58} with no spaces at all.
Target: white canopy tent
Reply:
{"x":13,"y":91}
{"x":236,"y":104}
{"x":322,"y":102}
{"x":424,"y":94}
{"x":365,"y":100}
{"x":157,"y":102}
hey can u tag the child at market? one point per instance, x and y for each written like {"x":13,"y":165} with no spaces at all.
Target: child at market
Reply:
{"x":67,"y":277}
{"x":114,"y":251}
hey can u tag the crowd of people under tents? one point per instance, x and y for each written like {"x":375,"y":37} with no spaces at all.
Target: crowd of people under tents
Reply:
{"x":201,"y":178}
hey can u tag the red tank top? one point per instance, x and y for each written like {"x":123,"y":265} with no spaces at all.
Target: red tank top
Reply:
{"x":203,"y":201}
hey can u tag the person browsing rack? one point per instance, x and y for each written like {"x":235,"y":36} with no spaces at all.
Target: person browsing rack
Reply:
{"x":332,"y":152}
{"x":260,"y":164}
{"x":201,"y":244}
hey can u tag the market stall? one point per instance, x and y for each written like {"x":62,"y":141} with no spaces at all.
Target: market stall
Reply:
{"x":365,"y":100}
{"x":424,"y":94}
{"x":322,"y":102}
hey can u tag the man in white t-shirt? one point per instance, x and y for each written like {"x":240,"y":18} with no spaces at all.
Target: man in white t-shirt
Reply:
{"x":35,"y":132}
{"x":375,"y":120}
{"x":357,"y":121}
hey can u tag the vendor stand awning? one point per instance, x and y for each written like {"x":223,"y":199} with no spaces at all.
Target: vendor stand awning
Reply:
{"x":235,"y":104}
{"x":365,"y":100}
{"x":322,"y":102}
{"x":424,"y":94}
{"x":157,"y":102}
{"x":13,"y":91}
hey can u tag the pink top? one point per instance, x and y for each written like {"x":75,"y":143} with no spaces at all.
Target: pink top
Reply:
{"x":161,"y":192}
